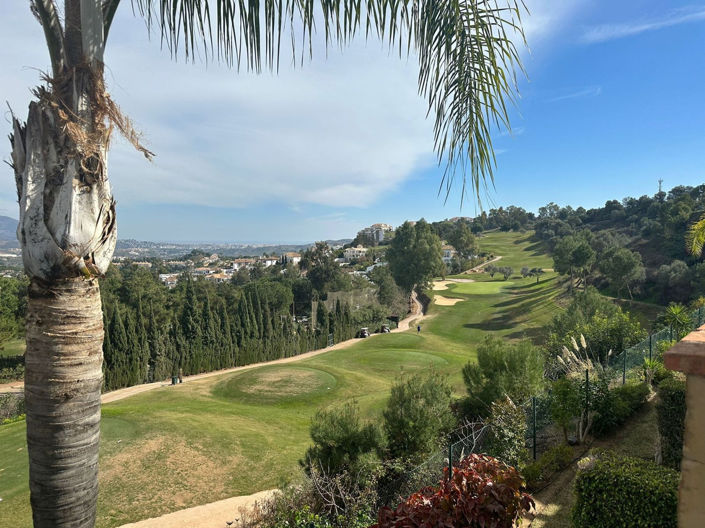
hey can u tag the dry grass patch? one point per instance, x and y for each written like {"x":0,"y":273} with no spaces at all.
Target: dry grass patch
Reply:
{"x":160,"y":475}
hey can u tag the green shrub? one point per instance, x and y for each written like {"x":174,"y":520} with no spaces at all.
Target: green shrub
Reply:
{"x":506,"y":438}
{"x":502,"y":369}
{"x":418,"y":415}
{"x":555,"y":459}
{"x":616,"y":492}
{"x":566,"y":404}
{"x":340,"y":440}
{"x":670,"y":411}
{"x":617,"y":406}
{"x":661,"y":373}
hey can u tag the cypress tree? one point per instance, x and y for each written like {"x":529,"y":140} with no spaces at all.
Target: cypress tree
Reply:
{"x":108,"y":356}
{"x":227,"y":358}
{"x":207,"y":362}
{"x":143,"y":340}
{"x":119,"y":346}
{"x":322,"y":319}
{"x":134,"y":352}
{"x":159,"y":364}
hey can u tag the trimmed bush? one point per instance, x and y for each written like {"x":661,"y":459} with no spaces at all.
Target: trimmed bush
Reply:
{"x":617,"y":406}
{"x":670,"y":410}
{"x":482,"y":492}
{"x":613,"y":491}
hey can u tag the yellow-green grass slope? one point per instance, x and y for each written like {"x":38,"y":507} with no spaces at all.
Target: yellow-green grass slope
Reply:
{"x":239,"y":433}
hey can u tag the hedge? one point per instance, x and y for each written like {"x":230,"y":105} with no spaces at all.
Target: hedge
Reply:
{"x":613,"y":491}
{"x":617,"y":406}
{"x":670,"y":410}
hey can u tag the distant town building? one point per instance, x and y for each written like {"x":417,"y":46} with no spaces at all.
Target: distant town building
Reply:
{"x":143,"y":264}
{"x":204,"y":271}
{"x":375,"y":232}
{"x":355,"y":253}
{"x":217,"y":277}
{"x":448,"y":253}
{"x":169,"y":279}
{"x":459,"y":218}
{"x":290,"y":257}
{"x":268,"y":261}
{"x":243,"y":263}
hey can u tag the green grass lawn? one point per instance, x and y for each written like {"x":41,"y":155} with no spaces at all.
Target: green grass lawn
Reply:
{"x":238,"y":433}
{"x":517,"y":249}
{"x":14,"y":347}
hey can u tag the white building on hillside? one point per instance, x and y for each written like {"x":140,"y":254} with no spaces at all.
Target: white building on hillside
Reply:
{"x":355,"y":253}
{"x":376,"y":232}
{"x":448,"y":253}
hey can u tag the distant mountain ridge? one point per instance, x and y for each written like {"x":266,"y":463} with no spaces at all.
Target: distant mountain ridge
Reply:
{"x":8,"y":232}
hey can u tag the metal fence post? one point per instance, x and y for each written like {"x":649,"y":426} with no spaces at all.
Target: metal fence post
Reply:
{"x":450,"y":461}
{"x":624,"y":367}
{"x":533,"y":403}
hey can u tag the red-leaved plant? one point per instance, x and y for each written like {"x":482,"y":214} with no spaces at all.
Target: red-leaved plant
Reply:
{"x":484,"y":492}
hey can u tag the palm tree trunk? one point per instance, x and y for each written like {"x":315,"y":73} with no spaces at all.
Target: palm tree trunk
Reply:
{"x":67,"y":232}
{"x":63,"y":379}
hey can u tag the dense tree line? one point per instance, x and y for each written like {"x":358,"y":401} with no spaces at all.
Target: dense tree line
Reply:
{"x":153,"y":332}
{"x":635,"y":247}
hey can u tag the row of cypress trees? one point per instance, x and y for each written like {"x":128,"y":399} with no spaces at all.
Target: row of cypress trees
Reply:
{"x":216,"y":331}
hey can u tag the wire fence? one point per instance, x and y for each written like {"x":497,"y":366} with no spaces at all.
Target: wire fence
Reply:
{"x":542,"y":432}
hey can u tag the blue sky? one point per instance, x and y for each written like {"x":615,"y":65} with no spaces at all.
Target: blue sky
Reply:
{"x":613,"y":102}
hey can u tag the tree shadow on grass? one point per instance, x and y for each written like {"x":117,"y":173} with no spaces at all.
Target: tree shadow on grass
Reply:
{"x":532,"y":298}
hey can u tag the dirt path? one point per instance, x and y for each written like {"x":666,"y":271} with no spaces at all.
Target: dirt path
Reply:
{"x":213,"y":515}
{"x":414,"y":317}
{"x":478,"y":269}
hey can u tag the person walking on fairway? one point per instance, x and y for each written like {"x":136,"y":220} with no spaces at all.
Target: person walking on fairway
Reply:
{"x":418,"y":329}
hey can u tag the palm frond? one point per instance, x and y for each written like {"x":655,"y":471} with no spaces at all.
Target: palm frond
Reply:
{"x":466,"y":49}
{"x":695,"y":238}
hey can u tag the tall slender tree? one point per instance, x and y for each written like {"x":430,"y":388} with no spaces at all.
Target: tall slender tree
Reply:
{"x":67,"y":226}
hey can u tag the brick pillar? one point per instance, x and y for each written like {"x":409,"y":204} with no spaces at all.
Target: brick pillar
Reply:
{"x":688,"y":356}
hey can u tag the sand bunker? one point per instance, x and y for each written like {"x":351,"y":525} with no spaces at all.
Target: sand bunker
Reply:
{"x":446,"y":301}
{"x":443,"y":285}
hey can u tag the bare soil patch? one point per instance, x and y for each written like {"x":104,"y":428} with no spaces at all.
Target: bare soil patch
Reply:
{"x":213,"y":515}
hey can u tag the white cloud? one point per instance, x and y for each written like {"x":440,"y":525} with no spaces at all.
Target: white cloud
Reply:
{"x":340,"y":131}
{"x":605,"y":32}
{"x":590,"y":91}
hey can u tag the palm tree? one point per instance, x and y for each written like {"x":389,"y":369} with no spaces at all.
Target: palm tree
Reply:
{"x":695,"y":239}
{"x":678,"y":318}
{"x":67,"y":226}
